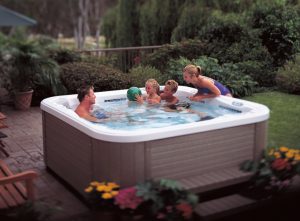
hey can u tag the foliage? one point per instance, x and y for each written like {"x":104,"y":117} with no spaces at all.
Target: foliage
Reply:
{"x":189,"y":49}
{"x":157,"y":21}
{"x":127,"y":24}
{"x":104,"y":78}
{"x":102,"y":195}
{"x":191,"y":20}
{"x":288,"y":76}
{"x":225,"y":28}
{"x":276,"y":169}
{"x":32,"y":69}
{"x":108,"y":27}
{"x":166,"y":200}
{"x":140,"y":74}
{"x":63,"y":55}
{"x":279,"y":30}
{"x":228,"y":74}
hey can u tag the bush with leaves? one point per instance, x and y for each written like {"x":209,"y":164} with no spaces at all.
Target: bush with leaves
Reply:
{"x":288,"y":76}
{"x":278,"y":25}
{"x":104,"y":78}
{"x":188,"y":48}
{"x":63,"y":55}
{"x":165,"y":199}
{"x":140,"y":74}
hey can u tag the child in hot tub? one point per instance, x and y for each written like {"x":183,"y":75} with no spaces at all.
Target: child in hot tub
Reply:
{"x":152,"y":89}
{"x":173,"y":104}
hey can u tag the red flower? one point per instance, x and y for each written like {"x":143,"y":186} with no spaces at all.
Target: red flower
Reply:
{"x":186,"y":210}
{"x":280,"y":164}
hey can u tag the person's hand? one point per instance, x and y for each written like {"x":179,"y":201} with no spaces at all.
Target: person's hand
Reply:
{"x":195,"y":98}
{"x":139,"y":99}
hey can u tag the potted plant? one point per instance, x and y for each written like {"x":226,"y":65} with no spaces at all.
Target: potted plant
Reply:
{"x":30,"y":67}
{"x":100,"y":196}
{"x":275,"y":171}
{"x":166,"y":200}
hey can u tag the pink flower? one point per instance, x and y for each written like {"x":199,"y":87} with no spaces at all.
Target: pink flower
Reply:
{"x":127,"y":199}
{"x":280,"y":164}
{"x":186,"y":210}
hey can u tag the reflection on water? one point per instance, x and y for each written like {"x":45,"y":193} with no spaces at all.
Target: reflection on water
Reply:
{"x":126,"y":115}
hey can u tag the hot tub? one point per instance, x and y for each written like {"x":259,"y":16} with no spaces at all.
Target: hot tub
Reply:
{"x":202,"y":155}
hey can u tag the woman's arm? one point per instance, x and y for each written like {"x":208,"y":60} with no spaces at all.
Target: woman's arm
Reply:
{"x":206,"y":83}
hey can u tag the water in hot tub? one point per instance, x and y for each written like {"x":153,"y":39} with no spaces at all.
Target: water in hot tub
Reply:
{"x":133,"y":116}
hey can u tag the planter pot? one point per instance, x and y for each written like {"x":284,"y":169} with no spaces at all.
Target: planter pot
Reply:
{"x":103,"y":215}
{"x":23,"y":100}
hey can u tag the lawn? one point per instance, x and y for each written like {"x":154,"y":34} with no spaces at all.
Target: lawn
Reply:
{"x":284,"y":122}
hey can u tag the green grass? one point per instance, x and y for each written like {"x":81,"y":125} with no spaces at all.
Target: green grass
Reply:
{"x":284,"y":122}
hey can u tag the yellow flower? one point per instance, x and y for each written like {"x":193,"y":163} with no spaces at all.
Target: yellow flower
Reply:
{"x":297,"y":157}
{"x":113,"y":185}
{"x":107,"y":189}
{"x":89,"y":189}
{"x":289,"y":154}
{"x":107,"y":196}
{"x":101,"y":188}
{"x":271,"y":152}
{"x":114,"y":193}
{"x":277,"y":155}
{"x":283,"y":149}
{"x":94,"y":183}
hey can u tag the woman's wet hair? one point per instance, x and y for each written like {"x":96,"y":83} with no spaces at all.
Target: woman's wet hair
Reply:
{"x":192,"y":70}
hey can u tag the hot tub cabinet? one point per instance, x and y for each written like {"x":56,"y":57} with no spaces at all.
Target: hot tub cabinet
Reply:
{"x":202,"y":157}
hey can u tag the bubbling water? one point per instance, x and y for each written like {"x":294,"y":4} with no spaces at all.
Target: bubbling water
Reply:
{"x":124,"y":115}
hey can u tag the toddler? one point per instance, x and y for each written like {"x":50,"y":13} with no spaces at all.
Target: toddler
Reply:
{"x":152,"y":89}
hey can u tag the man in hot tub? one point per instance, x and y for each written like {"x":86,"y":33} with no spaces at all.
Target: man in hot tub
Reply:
{"x":87,"y":99}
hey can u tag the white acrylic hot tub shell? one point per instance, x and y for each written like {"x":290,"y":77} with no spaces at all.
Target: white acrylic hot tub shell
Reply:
{"x":63,"y":108}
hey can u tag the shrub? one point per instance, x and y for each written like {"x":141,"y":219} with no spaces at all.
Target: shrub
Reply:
{"x":288,"y":77}
{"x":63,"y":55}
{"x":225,"y":28}
{"x":279,"y":30}
{"x":103,"y":78}
{"x":140,"y":74}
{"x":189,"y":49}
{"x":263,"y":74}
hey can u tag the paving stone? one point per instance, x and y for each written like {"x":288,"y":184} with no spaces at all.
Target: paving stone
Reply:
{"x":25,"y":146}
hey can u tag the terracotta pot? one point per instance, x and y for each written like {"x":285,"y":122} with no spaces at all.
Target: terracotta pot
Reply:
{"x":23,"y":100}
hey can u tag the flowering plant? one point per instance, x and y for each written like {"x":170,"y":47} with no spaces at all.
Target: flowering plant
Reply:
{"x":276,"y":169}
{"x":128,"y":201}
{"x":101,"y":194}
{"x":166,"y":200}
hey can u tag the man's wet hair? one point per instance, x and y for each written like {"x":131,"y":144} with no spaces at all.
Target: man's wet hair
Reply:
{"x":84,"y":90}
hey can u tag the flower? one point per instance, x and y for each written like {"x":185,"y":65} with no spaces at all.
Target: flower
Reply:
{"x":166,"y":200}
{"x":276,"y":169}
{"x":127,"y":199}
{"x":101,"y":194}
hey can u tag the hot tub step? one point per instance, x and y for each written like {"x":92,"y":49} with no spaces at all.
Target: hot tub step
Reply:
{"x":224,"y":206}
{"x":214,"y":180}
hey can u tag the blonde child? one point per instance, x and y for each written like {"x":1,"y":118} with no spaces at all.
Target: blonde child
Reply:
{"x":152,"y":89}
{"x":207,"y":87}
{"x":170,"y":89}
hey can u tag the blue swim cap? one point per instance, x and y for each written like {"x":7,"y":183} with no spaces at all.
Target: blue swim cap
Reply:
{"x":131,"y":92}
